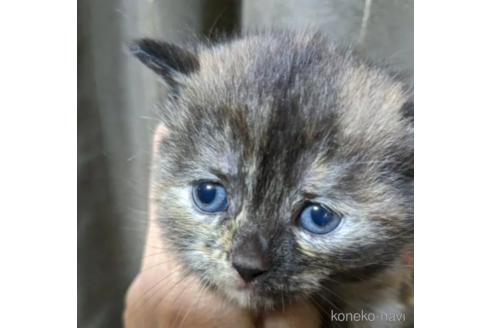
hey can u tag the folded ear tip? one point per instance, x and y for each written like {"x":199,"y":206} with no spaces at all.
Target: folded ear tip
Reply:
{"x":147,"y":46}
{"x":134,"y":46}
{"x":168,"y":60}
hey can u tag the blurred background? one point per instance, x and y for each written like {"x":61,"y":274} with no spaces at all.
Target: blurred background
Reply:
{"x":115,"y":119}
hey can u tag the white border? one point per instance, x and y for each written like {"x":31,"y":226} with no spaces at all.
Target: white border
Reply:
{"x":38,"y":138}
{"x":453,"y":198}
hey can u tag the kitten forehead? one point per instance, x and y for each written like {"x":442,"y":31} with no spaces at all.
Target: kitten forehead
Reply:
{"x":252,"y":75}
{"x":291,"y":107}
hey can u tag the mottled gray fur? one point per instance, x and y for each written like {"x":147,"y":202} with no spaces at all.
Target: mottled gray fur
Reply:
{"x":282,"y":118}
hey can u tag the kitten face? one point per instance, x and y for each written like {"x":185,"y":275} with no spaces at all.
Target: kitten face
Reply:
{"x":283,"y":122}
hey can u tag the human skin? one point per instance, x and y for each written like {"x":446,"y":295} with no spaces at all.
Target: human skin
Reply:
{"x":162,"y":297}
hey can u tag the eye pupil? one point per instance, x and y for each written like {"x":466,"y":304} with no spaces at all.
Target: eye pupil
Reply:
{"x":210,"y":197}
{"x":320,"y":216}
{"x":318,"y":219}
{"x":206,"y":192}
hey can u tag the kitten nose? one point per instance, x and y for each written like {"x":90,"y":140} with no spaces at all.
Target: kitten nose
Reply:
{"x":248,"y":268}
{"x":250,"y":254}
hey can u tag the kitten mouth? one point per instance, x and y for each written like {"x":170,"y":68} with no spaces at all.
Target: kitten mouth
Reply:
{"x":245,"y":294}
{"x":241,"y":286}
{"x":248,"y":295}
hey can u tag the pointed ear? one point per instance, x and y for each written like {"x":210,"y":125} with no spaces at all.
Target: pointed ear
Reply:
{"x":168,"y":60}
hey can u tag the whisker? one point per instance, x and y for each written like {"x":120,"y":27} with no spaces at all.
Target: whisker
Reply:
{"x":318,"y":305}
{"x":165,"y":251}
{"x":181,"y":307}
{"x":158,"y":282}
{"x":320,"y":295}
{"x":150,"y":118}
{"x":146,"y":269}
{"x":200,"y":293}
{"x":159,"y":302}
{"x":137,"y":155}
{"x":332,"y":293}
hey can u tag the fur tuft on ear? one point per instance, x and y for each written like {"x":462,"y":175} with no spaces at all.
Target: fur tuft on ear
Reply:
{"x":166,"y":59}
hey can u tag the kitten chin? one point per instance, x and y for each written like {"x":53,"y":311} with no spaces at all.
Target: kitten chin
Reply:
{"x":286,"y":173}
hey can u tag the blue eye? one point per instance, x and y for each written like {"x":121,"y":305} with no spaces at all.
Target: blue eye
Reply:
{"x":316,"y":219}
{"x":210,"y":197}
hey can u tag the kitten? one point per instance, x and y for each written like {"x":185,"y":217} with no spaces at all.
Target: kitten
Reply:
{"x":287,"y":174}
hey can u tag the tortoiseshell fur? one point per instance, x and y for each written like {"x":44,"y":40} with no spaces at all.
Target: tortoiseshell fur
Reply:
{"x":282,"y":118}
